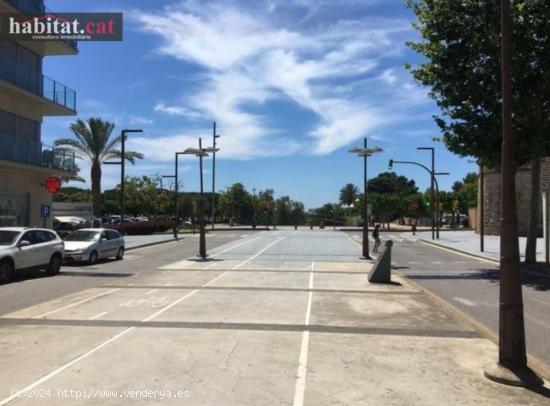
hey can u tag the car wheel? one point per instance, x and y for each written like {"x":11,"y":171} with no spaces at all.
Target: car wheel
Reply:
{"x":6,"y":271}
{"x":93,"y":258}
{"x":54,"y":265}
{"x":120,"y":254}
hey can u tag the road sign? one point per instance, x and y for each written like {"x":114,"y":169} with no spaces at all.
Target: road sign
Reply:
{"x":45,"y":211}
{"x":414,"y":206}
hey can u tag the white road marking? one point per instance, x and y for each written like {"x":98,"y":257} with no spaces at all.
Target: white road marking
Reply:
{"x":119,"y":335}
{"x":64,"y":367}
{"x":300,"y":388}
{"x":436,"y":262}
{"x":76,"y":303}
{"x":465,"y":302}
{"x":150,"y":292}
{"x":97,"y":316}
{"x":412,"y":262}
{"x":459,"y":262}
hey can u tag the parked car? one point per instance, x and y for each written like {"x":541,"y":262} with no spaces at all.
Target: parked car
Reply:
{"x":24,"y":248}
{"x":92,"y":244}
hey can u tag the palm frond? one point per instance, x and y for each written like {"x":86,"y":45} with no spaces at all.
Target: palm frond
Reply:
{"x":130,"y":156}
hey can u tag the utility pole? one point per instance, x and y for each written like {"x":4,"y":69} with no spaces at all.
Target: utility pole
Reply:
{"x":512,"y":366}
{"x":214,"y":137}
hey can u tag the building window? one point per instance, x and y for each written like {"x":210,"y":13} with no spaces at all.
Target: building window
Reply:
{"x":14,"y":209}
{"x":20,"y":66}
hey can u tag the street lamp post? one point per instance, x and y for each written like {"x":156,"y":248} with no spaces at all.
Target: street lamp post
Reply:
{"x":122,"y":164}
{"x":365,"y":152}
{"x":175,"y":176}
{"x":214,"y":137}
{"x":512,"y":366}
{"x":201,"y":153}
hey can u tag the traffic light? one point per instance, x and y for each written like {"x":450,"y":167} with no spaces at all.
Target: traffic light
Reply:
{"x":390,"y":164}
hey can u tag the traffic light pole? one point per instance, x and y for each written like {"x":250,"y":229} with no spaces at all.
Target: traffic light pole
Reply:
{"x":433,"y":180}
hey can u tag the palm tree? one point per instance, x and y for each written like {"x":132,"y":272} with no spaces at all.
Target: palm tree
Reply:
{"x":94,"y":143}
{"x":348,"y":194}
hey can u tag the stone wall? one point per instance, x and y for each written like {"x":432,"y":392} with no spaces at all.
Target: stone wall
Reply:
{"x":492,"y":200}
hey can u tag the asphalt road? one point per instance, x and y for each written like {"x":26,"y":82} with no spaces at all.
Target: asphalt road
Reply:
{"x":472,"y":285}
{"x":30,"y":288}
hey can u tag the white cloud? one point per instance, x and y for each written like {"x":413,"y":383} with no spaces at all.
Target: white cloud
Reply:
{"x":139,"y":120}
{"x":250,"y":59}
{"x":177,"y":111}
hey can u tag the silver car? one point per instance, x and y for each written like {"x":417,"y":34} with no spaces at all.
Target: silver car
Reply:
{"x":92,"y":244}
{"x":24,"y":248}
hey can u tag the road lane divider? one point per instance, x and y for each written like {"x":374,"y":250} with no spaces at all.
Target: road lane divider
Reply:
{"x":300,"y":388}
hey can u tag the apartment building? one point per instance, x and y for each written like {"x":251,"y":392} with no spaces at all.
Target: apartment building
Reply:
{"x":26,"y":97}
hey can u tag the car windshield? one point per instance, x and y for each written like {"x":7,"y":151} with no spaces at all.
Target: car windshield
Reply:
{"x":8,"y":237}
{"x":82,"y":235}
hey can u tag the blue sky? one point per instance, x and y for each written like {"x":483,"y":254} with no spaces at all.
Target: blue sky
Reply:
{"x":292,"y":84}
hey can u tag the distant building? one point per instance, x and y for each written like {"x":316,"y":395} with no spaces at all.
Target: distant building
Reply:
{"x":26,"y":97}
{"x":523,"y":192}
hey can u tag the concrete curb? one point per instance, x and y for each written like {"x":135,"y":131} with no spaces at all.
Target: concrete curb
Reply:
{"x":151,"y":244}
{"x":435,"y":244}
{"x":540,"y":367}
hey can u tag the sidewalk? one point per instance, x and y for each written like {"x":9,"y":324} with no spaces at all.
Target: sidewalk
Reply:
{"x":250,"y":328}
{"x":468,"y":241}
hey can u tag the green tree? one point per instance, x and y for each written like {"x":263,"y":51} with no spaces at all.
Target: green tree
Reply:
{"x":236,"y":204}
{"x":348,"y":194}
{"x":93,"y":142}
{"x":390,"y":182}
{"x":461,"y":46}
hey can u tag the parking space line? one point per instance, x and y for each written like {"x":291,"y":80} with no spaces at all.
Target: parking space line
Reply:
{"x":38,"y":382}
{"x":300,"y":389}
{"x":97,"y":316}
{"x":76,"y":303}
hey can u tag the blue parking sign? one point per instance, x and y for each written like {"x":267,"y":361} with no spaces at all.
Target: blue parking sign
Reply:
{"x":45,"y":211}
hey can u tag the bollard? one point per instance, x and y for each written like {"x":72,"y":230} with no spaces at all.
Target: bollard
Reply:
{"x":381,"y":270}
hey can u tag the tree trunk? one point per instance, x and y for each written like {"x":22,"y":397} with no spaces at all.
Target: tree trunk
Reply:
{"x":534,"y":213}
{"x":96,"y":188}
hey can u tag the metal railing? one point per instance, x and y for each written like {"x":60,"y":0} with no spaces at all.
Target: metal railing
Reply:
{"x":58,"y":93}
{"x":37,"y":7}
{"x":35,"y":153}
{"x":33,"y":81}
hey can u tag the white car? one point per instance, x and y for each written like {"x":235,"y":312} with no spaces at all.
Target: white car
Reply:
{"x":24,"y":248}
{"x":91,"y":244}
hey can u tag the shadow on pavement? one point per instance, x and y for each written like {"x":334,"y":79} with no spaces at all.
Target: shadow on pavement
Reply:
{"x":528,"y":279}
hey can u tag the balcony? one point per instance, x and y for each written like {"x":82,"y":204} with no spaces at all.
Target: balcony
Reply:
{"x":35,"y":153}
{"x":62,"y":47}
{"x":59,"y":100}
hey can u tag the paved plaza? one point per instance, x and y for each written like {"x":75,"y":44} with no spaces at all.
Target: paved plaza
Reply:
{"x":275,"y":318}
